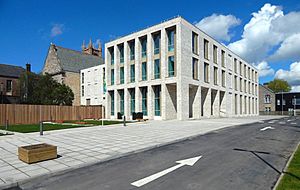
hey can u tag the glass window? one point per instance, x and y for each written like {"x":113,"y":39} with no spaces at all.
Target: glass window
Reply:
{"x":235,"y":65}
{"x":206,"y":72}
{"x":112,"y":57}
{"x":283,"y":102}
{"x":278,"y":102}
{"x":82,"y":90}
{"x":215,"y":54}
{"x":121,"y":50}
{"x":82,"y":77}
{"x":235,"y":83}
{"x":144,"y":101}
{"x":144,"y":47}
{"x":112,"y":103}
{"x":205,"y":49}
{"x":156,"y":68}
{"x":132,"y":53}
{"x":215,"y":76}
{"x":223,"y":78}
{"x":195,"y":69}
{"x":132,"y":73}
{"x":8,"y":85}
{"x":267,"y":99}
{"x":122,"y":75}
{"x":132,"y":100}
{"x":156,"y":44}
{"x":144,"y":71}
{"x":112,"y":77}
{"x":121,"y":93}
{"x":195,"y":43}
{"x":223,"y":58}
{"x":171,"y":66}
{"x":157,"y":100}
{"x":171,"y":36}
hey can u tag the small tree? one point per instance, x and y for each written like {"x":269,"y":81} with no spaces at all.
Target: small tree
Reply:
{"x":42,"y":89}
{"x":279,"y":85}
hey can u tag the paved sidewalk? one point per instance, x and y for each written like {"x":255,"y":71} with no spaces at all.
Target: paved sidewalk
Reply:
{"x":83,"y":146}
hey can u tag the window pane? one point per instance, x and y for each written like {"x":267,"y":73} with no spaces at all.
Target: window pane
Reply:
{"x":132,"y":73}
{"x":171,"y":66}
{"x":157,"y":100}
{"x":144,"y":101}
{"x":122,"y":75}
{"x":156,"y":44}
{"x":157,"y":68}
{"x":171,"y":34}
{"x":112,"y":75}
{"x":144,"y":71}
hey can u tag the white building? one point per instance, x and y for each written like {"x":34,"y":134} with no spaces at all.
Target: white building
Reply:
{"x":173,"y":70}
{"x":92,"y":82}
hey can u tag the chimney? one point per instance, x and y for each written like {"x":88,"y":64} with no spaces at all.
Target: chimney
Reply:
{"x":28,"y":67}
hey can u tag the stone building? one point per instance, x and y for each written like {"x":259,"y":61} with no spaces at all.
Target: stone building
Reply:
{"x":266,"y":100}
{"x":173,"y":70}
{"x":65,"y":64}
{"x":9,"y":83}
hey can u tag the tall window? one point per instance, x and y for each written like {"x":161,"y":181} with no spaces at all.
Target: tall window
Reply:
{"x":241,"y":84}
{"x":156,"y":39}
{"x":121,"y":51}
{"x":206,"y":72}
{"x":157,"y":90}
{"x":171,"y":39}
{"x":235,"y":65}
{"x":215,"y":59}
{"x":205,"y":49}
{"x":144,"y":100}
{"x":267,"y":99}
{"x":131,"y":48}
{"x":156,"y":68}
{"x":112,"y":56}
{"x":82,"y":77}
{"x":132,"y":100}
{"x":122,"y":75}
{"x":215,"y":76}
{"x":241,"y":68}
{"x":195,"y":68}
{"x":132,"y":73}
{"x":245,"y":86}
{"x":112,"y":76}
{"x":235,"y":83}
{"x":144,"y":71}
{"x":144,"y":47}
{"x":171,"y":66}
{"x":223,"y":78}
{"x":195,"y":43}
{"x":223,"y":58}
{"x":82,"y":90}
{"x":245,"y":71}
{"x":112,"y":103}
{"x":121,"y":93}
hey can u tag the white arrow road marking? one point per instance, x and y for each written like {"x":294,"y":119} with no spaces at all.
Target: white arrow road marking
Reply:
{"x":266,"y":128}
{"x":144,"y":181}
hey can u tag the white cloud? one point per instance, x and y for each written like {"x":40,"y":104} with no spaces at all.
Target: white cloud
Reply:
{"x":295,"y":89}
{"x":264,"y":69}
{"x":292,"y":76}
{"x":57,"y":29}
{"x":218,"y":26}
{"x":258,"y":37}
{"x":289,"y":49}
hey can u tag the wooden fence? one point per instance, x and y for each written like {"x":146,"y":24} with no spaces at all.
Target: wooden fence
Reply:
{"x":30,"y":114}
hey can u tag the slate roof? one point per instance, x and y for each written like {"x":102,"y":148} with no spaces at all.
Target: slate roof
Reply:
{"x":11,"y":70}
{"x":74,"y":61}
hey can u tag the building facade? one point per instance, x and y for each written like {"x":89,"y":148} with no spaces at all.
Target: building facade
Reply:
{"x":92,"y":85}
{"x":267,"y":100}
{"x":9,"y":83}
{"x":173,"y":70}
{"x":287,"y":102}
{"x":64,"y":65}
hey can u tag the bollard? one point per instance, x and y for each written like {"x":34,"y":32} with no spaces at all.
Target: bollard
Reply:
{"x":124,"y":120}
{"x":41,"y":128}
{"x":6,"y":125}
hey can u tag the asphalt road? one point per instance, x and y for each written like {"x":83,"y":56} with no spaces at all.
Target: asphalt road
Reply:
{"x":242,"y":157}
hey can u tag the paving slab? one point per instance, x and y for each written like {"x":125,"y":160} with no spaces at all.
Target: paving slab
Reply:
{"x":83,"y":146}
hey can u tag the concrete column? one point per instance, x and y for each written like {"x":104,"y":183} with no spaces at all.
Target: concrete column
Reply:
{"x":197,"y":104}
{"x":126,"y":64}
{"x":127,"y":112}
{"x":150,"y":101}
{"x":138,"y":100}
{"x":163,"y":54}
{"x":206,"y":101}
{"x":182,"y":100}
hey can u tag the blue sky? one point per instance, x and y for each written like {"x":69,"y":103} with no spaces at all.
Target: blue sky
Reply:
{"x":28,"y":27}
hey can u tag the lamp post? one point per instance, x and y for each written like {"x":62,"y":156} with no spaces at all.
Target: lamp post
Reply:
{"x":281,"y":102}
{"x":1,"y":89}
{"x":294,"y":105}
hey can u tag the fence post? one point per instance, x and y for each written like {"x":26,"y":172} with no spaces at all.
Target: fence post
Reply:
{"x":41,"y":129}
{"x":6,"y":125}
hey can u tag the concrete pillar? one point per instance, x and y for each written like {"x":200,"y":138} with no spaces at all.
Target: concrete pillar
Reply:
{"x":127,"y":112}
{"x":150,"y":101}
{"x":182,"y":100}
{"x":197,"y":104}
{"x":138,"y":100}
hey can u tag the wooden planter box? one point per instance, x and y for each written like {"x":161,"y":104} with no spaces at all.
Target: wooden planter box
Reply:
{"x":36,"y":153}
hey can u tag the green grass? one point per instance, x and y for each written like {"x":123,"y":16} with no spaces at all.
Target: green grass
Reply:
{"x":28,"y":128}
{"x":291,"y":179}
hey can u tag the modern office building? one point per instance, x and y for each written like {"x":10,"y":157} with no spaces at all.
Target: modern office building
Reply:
{"x":287,"y":102}
{"x":173,"y":70}
{"x":92,"y":85}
